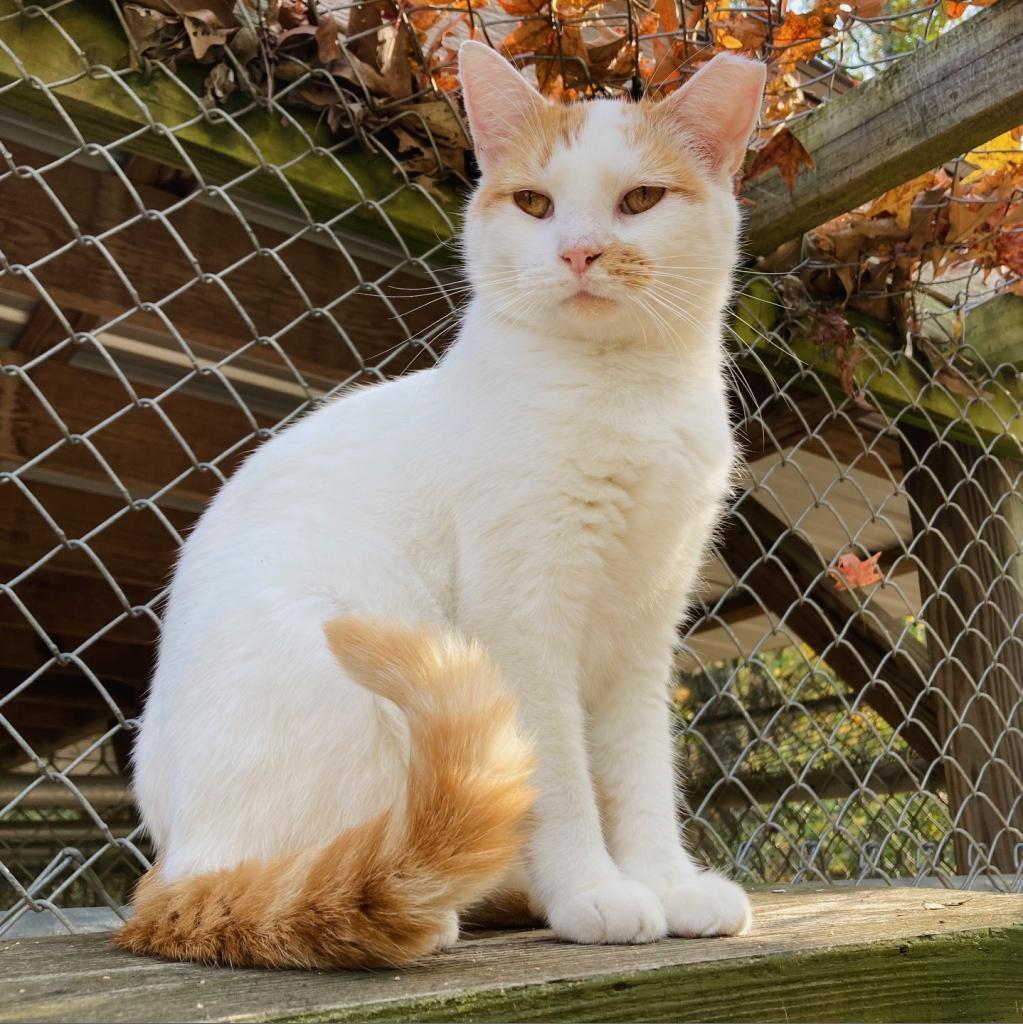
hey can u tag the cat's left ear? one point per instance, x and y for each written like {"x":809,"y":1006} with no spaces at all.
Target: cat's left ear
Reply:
{"x":499,"y":102}
{"x":717,"y":109}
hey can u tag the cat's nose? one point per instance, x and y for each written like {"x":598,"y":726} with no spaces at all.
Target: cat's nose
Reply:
{"x":579,"y":259}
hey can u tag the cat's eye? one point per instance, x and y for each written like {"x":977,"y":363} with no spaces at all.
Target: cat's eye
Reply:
{"x":536,"y":204}
{"x":641,"y":199}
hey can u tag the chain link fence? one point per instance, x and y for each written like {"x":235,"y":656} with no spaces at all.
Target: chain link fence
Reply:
{"x":203,"y":235}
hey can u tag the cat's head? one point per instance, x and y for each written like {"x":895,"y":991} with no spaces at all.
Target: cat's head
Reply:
{"x":606,"y":219}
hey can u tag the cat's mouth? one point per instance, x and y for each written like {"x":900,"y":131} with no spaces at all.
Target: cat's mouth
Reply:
{"x":588,"y":301}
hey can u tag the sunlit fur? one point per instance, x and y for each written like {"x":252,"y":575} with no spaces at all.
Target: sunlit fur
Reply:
{"x":396,"y":597}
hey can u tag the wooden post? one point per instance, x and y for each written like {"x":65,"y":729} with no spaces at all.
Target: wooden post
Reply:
{"x":968,"y":524}
{"x":868,"y":648}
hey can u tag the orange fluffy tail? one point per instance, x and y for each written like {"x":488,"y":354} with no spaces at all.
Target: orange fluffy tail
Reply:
{"x":379,"y":894}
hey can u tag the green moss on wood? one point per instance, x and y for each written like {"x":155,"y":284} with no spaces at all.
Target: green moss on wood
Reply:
{"x":965,"y":977}
{"x":286,"y":152}
{"x":899,"y":385}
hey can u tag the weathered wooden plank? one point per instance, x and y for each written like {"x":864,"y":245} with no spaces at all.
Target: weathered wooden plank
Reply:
{"x":136,"y":547}
{"x":837,"y":954}
{"x":869,"y":649}
{"x":961,"y":90}
{"x":138,"y":446}
{"x":145,"y":444}
{"x":277,"y":156}
{"x":901,"y":387}
{"x":199,"y":271}
{"x":994,"y":330}
{"x":968,"y":523}
{"x":43,"y":329}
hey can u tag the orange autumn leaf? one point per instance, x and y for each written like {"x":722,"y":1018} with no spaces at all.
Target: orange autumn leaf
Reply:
{"x":667,"y":15}
{"x":898,"y":201}
{"x":741,"y":33}
{"x":785,"y":152}
{"x":956,"y":9}
{"x":800,"y":36}
{"x":851,"y":572}
{"x":1009,"y":251}
{"x":523,"y":8}
{"x":529,"y":37}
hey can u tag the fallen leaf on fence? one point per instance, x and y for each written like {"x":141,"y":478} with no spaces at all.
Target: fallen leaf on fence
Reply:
{"x":1009,"y":250}
{"x":612,"y":59}
{"x":328,"y":47}
{"x":741,"y":32}
{"x":667,"y":15}
{"x":868,"y":8}
{"x":785,"y":152}
{"x":529,"y":37}
{"x":150,"y":29}
{"x":898,"y":201}
{"x":202,"y":37}
{"x":800,"y":36}
{"x":523,"y":8}
{"x":957,"y":10}
{"x":851,"y":572}
{"x":220,"y":84}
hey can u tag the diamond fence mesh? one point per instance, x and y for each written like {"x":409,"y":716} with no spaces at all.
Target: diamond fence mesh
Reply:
{"x":213,"y":217}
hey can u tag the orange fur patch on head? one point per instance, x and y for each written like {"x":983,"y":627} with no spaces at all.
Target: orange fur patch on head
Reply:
{"x":554,"y":126}
{"x":626,"y":263}
{"x":666,"y":157}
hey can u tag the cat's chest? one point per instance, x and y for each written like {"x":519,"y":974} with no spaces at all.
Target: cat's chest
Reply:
{"x":637,"y":497}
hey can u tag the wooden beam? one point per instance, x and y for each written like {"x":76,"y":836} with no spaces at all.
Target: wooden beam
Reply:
{"x":138,"y":446}
{"x":741,"y":605}
{"x":837,"y":781}
{"x":816,"y":423}
{"x":994,"y":330}
{"x":956,"y":92}
{"x":79,"y":51}
{"x":136,"y":547}
{"x":815,"y":953}
{"x":872,"y":652}
{"x":200,"y":272}
{"x":44,"y":330}
{"x":903,"y":388}
{"x":967,"y":514}
{"x":57,"y":710}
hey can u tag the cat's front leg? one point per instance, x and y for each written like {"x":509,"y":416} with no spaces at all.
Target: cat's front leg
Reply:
{"x":634,"y":767}
{"x":572,"y":876}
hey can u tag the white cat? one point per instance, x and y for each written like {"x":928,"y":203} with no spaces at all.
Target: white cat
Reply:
{"x":329,"y":762}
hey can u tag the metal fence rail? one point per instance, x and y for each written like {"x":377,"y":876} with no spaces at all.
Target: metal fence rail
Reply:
{"x":183,"y":273}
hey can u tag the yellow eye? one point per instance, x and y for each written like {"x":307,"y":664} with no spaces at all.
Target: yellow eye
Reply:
{"x":641,"y":199}
{"x":536,"y":204}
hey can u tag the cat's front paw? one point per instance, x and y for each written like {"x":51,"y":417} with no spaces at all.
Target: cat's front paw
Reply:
{"x":707,"y":904}
{"x":615,"y":912}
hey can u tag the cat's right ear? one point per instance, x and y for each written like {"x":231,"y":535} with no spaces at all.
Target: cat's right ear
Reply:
{"x":499,"y":102}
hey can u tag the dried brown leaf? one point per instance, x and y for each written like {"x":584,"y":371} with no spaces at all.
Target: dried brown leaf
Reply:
{"x":785,"y":152}
{"x":328,"y":44}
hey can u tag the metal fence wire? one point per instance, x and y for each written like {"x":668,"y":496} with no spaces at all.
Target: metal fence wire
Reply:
{"x":215,"y":215}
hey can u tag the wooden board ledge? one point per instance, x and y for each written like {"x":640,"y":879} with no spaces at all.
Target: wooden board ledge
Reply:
{"x":815,"y":954}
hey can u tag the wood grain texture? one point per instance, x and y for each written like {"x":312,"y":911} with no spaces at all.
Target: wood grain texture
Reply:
{"x":198,"y":272}
{"x":968,"y":524}
{"x":900,"y":387}
{"x":815,"y":954}
{"x":281,"y":158}
{"x":869,"y":649}
{"x":957,"y":92}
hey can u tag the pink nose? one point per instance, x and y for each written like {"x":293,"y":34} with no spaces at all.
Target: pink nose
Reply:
{"x":579,"y":259}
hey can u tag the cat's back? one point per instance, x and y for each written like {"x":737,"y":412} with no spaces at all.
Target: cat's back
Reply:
{"x":337,"y":466}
